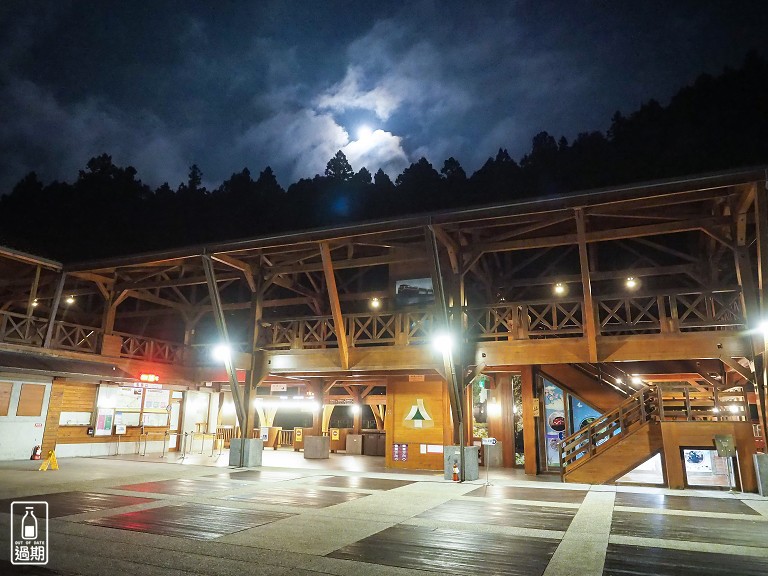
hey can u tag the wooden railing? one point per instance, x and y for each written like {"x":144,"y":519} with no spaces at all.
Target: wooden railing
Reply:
{"x":650,"y":313}
{"x":22,"y":329}
{"x":151,"y":349}
{"x":662,"y":403}
{"x":286,"y":438}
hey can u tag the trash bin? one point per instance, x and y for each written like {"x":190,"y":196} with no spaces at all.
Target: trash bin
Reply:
{"x":471,"y":467}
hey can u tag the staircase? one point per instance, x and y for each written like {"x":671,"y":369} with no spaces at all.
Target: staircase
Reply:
{"x":631,"y":433}
{"x":615,"y":443}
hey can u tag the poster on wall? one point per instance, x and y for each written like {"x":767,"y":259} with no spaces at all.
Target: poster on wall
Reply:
{"x":414,"y":291}
{"x":119,"y":397}
{"x":554,"y":415}
{"x":104,"y":420}
{"x":156,"y":399}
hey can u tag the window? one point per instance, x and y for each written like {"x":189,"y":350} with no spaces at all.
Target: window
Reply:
{"x":31,"y":400}
{"x":5,"y":397}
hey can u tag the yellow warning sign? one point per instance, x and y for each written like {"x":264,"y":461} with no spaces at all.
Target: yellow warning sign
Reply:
{"x":50,"y":461}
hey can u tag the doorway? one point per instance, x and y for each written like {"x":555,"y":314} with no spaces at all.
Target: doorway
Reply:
{"x":175,"y":422}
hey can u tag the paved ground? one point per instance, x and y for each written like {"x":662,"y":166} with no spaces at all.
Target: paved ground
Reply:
{"x":348,"y":516}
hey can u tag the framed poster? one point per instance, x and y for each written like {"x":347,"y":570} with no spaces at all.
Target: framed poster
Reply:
{"x":156,"y":400}
{"x":104,"y":420}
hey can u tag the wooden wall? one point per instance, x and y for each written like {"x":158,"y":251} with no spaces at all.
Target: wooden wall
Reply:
{"x":69,"y":396}
{"x":402,"y":395}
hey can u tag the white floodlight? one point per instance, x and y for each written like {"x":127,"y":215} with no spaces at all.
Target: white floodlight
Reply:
{"x":221,"y":352}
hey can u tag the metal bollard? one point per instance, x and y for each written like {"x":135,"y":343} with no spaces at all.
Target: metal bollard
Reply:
{"x":165,"y":441}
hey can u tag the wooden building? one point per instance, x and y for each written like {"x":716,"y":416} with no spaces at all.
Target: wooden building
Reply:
{"x":587,"y":333}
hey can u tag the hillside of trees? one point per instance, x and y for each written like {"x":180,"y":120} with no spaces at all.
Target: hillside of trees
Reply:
{"x":717,"y":123}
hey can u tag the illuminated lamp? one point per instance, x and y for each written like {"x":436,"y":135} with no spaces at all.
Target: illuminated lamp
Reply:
{"x":70,"y":299}
{"x":636,"y":380}
{"x":442,"y":342}
{"x":34,"y":303}
{"x":375,"y":303}
{"x":559,"y":289}
{"x":631,"y":283}
{"x":149,"y":378}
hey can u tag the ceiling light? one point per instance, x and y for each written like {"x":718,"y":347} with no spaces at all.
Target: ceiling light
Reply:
{"x":34,"y":303}
{"x":70,"y":299}
{"x":631,"y":282}
{"x":375,"y":303}
{"x":636,"y":379}
{"x":559,"y":289}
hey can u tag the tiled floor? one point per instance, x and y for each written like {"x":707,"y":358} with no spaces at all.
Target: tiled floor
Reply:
{"x":159,"y":520}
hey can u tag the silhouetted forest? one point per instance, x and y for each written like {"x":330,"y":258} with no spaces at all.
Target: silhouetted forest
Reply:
{"x":717,"y":123}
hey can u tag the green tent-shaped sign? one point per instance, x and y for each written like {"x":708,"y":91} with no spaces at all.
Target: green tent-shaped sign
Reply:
{"x":418,"y":417}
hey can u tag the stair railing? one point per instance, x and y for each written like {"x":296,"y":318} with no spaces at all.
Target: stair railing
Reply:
{"x":639,"y":408}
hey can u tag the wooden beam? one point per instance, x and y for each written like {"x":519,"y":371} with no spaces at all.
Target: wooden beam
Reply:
{"x":588,"y":312}
{"x":738,"y":368}
{"x":244,"y":267}
{"x":604,"y":235}
{"x":93,"y":277}
{"x":153,"y":299}
{"x":349,"y":263}
{"x":451,"y":246}
{"x":333,"y":296}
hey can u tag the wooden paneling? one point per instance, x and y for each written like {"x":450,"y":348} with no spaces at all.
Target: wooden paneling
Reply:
{"x":604,"y":398}
{"x":678,"y":435}
{"x":529,"y":421}
{"x":78,"y":397}
{"x":624,"y":560}
{"x":402,"y":396}
{"x":189,"y":521}
{"x":445,"y":551}
{"x":502,"y":426}
{"x":5,"y":397}
{"x":51,"y":433}
{"x":31,"y":400}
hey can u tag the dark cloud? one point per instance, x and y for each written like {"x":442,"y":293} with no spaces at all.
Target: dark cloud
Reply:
{"x":163,"y":85}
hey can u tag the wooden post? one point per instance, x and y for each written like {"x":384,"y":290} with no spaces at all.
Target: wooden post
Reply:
{"x":529,"y":421}
{"x":589,"y":312}
{"x":33,"y":292}
{"x":761,"y":231}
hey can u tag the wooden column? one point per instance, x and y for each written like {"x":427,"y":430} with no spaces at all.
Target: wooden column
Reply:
{"x":589,"y":312}
{"x":529,"y":421}
{"x":501,"y":427}
{"x":33,"y":293}
{"x":357,"y":417}
{"x":761,"y":233}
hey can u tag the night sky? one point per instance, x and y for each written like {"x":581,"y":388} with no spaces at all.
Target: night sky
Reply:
{"x":225,"y":85}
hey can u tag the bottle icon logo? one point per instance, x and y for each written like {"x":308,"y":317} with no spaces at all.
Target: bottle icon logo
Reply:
{"x":29,"y":524}
{"x":29,"y":533}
